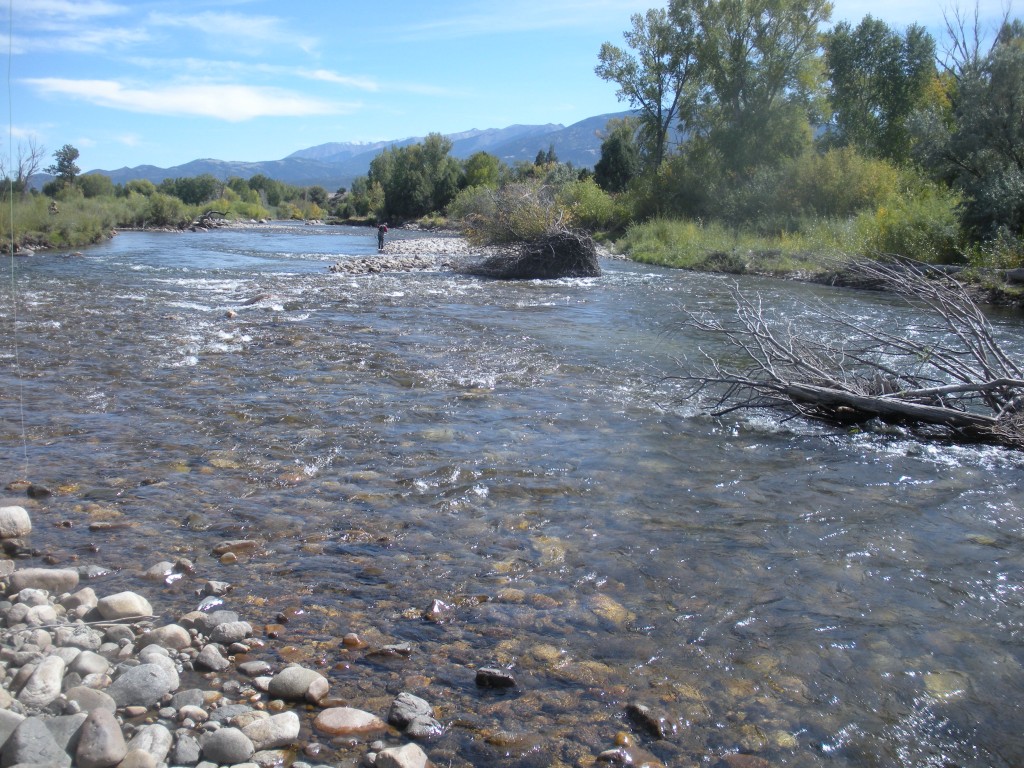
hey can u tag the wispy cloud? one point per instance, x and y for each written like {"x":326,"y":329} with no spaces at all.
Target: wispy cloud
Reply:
{"x":326,"y":76}
{"x":65,"y":10}
{"x":91,"y":40}
{"x":67,"y":25}
{"x":232,"y":103}
{"x":530,"y":15}
{"x":223,"y":27}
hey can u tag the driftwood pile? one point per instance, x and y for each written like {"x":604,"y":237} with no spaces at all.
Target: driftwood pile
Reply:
{"x":946,"y":376}
{"x":563,"y":253}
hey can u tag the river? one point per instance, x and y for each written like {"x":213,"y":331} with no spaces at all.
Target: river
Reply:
{"x":799,"y":593}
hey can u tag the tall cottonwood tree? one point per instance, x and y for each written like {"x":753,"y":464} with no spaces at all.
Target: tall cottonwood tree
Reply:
{"x":763,"y":68}
{"x":416,"y":179}
{"x":878,"y":79}
{"x":660,"y":78}
{"x":744,"y":75}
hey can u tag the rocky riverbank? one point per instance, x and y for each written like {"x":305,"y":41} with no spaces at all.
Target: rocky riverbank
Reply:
{"x":99,"y":681}
{"x":428,"y":254}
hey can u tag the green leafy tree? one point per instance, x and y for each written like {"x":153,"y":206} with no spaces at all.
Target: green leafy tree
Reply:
{"x":660,"y":78}
{"x":620,"y":158}
{"x":980,"y":149}
{"x":481,"y":169}
{"x":878,"y":79}
{"x":443,"y":171}
{"x":64,"y":167}
{"x":96,"y":185}
{"x":192,"y":190}
{"x":271,"y":191}
{"x":764,"y":73}
{"x":417,"y":179}
{"x":318,"y":195}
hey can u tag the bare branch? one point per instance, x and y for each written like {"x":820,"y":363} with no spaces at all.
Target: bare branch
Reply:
{"x":946,"y":371}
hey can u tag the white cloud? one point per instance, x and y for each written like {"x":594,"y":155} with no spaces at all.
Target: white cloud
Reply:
{"x":233,"y":103}
{"x":326,"y":76}
{"x":19,"y":132}
{"x":65,"y":10}
{"x":90,"y":40}
{"x":71,"y":25}
{"x":222,"y":27}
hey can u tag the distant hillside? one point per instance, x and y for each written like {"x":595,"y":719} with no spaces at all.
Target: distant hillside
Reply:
{"x":336,"y":164}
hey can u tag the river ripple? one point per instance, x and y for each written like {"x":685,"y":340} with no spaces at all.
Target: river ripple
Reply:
{"x":808,"y":596}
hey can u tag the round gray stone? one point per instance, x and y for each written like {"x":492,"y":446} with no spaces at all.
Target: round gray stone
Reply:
{"x":186,"y":750}
{"x":89,"y":663}
{"x":211,"y":658}
{"x":227,"y":746}
{"x":155,"y":740}
{"x":297,"y":683}
{"x":277,"y":731}
{"x":231,"y":632}
{"x":32,"y":742}
{"x":45,"y":683}
{"x":123,"y":605}
{"x":101,"y":743}
{"x":141,"y":686}
{"x":90,"y":698}
{"x":406,"y":708}
{"x":14,"y":523}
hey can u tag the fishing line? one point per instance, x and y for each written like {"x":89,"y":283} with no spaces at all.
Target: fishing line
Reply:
{"x":10,"y":199}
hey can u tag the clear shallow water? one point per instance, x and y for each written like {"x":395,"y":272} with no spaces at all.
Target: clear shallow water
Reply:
{"x":808,"y":596}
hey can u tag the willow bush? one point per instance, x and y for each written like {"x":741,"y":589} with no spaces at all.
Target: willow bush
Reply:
{"x":922,"y":224}
{"x":515,"y":212}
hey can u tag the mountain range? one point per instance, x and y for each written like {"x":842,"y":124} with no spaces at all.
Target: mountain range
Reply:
{"x":336,"y":164}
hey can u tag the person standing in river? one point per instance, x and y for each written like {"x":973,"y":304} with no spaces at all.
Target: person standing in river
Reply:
{"x":381,"y":231}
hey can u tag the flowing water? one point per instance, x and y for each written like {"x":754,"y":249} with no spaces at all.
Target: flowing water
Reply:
{"x":802,"y":594}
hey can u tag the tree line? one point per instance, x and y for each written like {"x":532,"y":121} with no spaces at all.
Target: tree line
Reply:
{"x":751,"y":114}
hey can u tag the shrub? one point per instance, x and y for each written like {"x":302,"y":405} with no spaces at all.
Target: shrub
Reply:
{"x":165,"y":211}
{"x":589,"y":206}
{"x":1004,"y":251}
{"x":921,"y":224}
{"x":471,"y":209}
{"x":515,"y":212}
{"x":839,"y":183}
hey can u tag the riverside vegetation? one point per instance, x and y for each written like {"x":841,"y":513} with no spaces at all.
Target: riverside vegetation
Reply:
{"x":761,"y":142}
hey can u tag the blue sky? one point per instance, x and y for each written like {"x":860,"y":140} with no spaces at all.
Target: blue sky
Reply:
{"x":132,"y":82}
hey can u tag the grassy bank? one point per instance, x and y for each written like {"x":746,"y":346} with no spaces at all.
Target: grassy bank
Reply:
{"x":818,"y":251}
{"x":38,"y":222}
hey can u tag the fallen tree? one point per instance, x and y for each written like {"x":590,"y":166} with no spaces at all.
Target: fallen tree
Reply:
{"x":948,"y":377}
